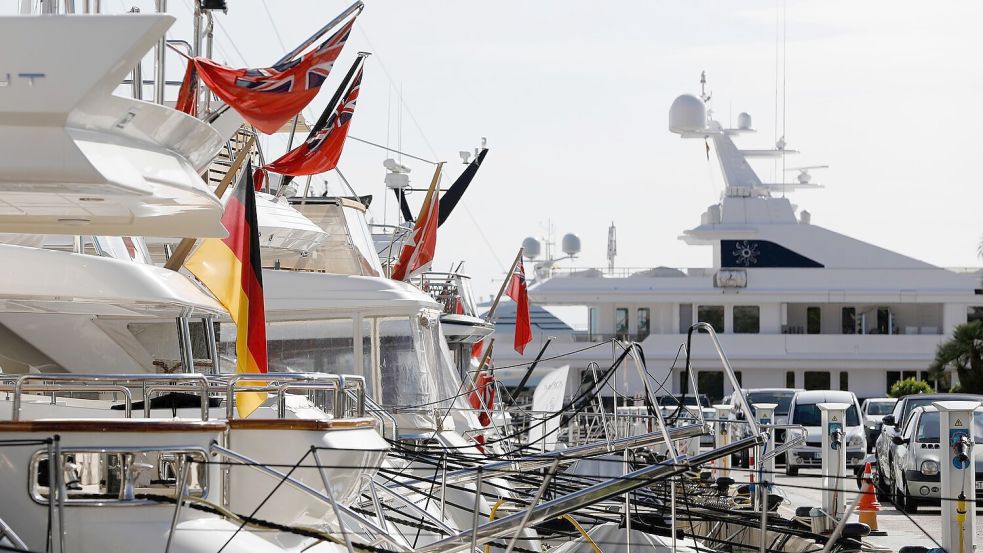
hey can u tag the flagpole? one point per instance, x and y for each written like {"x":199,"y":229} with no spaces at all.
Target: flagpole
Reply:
{"x":357,"y":6}
{"x":183,"y":248}
{"x":329,"y":109}
{"x":508,"y":278}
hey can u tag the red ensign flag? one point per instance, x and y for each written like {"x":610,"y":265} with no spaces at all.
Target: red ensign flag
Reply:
{"x":517,"y":291}
{"x":267,"y":98}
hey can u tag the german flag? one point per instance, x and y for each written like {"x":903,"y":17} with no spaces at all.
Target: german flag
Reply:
{"x":230,"y":268}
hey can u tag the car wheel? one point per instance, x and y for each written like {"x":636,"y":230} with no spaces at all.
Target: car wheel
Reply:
{"x":904,"y":501}
{"x":791,"y":470}
{"x":881,"y":488}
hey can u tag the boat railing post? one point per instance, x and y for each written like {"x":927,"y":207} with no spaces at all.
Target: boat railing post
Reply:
{"x":185,"y":467}
{"x":51,"y":493}
{"x":474,"y":518}
{"x":160,"y":59}
{"x":550,"y":472}
{"x":209,"y":323}
{"x":55,"y":477}
{"x":334,"y":504}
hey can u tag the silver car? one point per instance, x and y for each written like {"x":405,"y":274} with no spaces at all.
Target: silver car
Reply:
{"x":917,"y":455}
{"x":805,"y":412}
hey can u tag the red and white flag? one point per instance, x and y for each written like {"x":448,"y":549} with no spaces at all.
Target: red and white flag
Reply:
{"x":320,"y":152}
{"x":517,"y":291}
{"x":417,"y":253}
{"x":267,"y":98}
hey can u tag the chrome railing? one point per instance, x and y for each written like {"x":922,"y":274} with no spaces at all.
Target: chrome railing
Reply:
{"x":341,"y":396}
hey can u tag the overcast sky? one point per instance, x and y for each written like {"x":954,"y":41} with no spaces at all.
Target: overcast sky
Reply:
{"x":573,"y":97}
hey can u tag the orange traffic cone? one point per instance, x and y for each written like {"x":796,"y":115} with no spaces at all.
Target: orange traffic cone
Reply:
{"x":868,"y":505}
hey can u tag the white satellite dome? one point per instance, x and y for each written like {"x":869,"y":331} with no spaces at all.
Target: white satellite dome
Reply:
{"x":570,"y":244}
{"x":531,"y":248}
{"x":688,"y":114}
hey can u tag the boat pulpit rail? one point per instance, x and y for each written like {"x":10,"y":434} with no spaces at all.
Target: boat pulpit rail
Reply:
{"x":342,"y":396}
{"x":452,"y":290}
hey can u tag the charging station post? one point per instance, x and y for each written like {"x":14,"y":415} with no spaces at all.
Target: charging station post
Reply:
{"x":958,"y":473}
{"x":765,"y":413}
{"x":834,"y":458}
{"x":721,"y":437}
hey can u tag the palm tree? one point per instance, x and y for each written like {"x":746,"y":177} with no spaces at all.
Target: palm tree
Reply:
{"x":964,"y":353}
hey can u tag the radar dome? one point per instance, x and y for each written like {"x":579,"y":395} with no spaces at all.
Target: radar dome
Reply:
{"x":688,"y":114}
{"x":744,"y":121}
{"x":570,"y":244}
{"x":531,"y":248}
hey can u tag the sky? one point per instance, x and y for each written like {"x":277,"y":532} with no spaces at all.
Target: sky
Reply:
{"x":573,"y":98}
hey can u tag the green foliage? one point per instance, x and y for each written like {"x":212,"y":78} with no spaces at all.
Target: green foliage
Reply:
{"x":964,"y":353}
{"x":910,"y":386}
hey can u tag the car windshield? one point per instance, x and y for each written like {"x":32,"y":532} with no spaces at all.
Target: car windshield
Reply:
{"x":808,"y":414}
{"x":783,"y":399}
{"x":880,"y":408}
{"x":928,"y":427}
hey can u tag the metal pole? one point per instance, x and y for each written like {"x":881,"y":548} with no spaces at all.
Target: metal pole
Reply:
{"x":160,"y":59}
{"x":357,"y":6}
{"x":59,"y":488}
{"x":474,"y":518}
{"x":508,"y":278}
{"x":550,"y":472}
{"x":721,"y":436}
{"x":51,"y":494}
{"x":185,"y":468}
{"x":334,"y":504}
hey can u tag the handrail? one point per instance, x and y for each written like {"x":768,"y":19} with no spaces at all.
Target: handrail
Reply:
{"x":728,"y":370}
{"x":113,"y":378}
{"x":16,"y":408}
{"x":382,"y":414}
{"x":348,"y":391}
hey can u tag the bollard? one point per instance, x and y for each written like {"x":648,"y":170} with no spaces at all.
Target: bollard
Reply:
{"x":721,"y":437}
{"x":958,"y":475}
{"x":834,"y":458}
{"x":765,"y":413}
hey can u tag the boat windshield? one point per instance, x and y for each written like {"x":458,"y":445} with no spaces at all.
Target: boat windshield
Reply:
{"x":409,"y":361}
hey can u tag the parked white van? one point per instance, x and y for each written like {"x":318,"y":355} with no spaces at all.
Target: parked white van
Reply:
{"x":804,"y":411}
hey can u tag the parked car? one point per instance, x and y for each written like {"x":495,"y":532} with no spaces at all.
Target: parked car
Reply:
{"x":780,"y":396}
{"x":917,"y":455}
{"x":804,"y":411}
{"x":894,"y":425}
{"x":873,"y":410}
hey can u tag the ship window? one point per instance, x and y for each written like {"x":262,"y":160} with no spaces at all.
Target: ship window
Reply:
{"x":643,"y":323}
{"x":892,"y":378}
{"x":747,"y":319}
{"x":884,"y":320}
{"x":740,"y":378}
{"x":974,"y":313}
{"x":790,"y":379}
{"x":817,"y":380}
{"x":712,"y":314}
{"x":844,"y":381}
{"x":685,"y":317}
{"x":849,"y":320}
{"x":326,"y":346}
{"x":621,"y":323}
{"x":711,"y":384}
{"x":814,"y":320}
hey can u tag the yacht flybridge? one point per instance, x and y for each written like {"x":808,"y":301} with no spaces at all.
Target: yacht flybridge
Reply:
{"x":794,"y":304}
